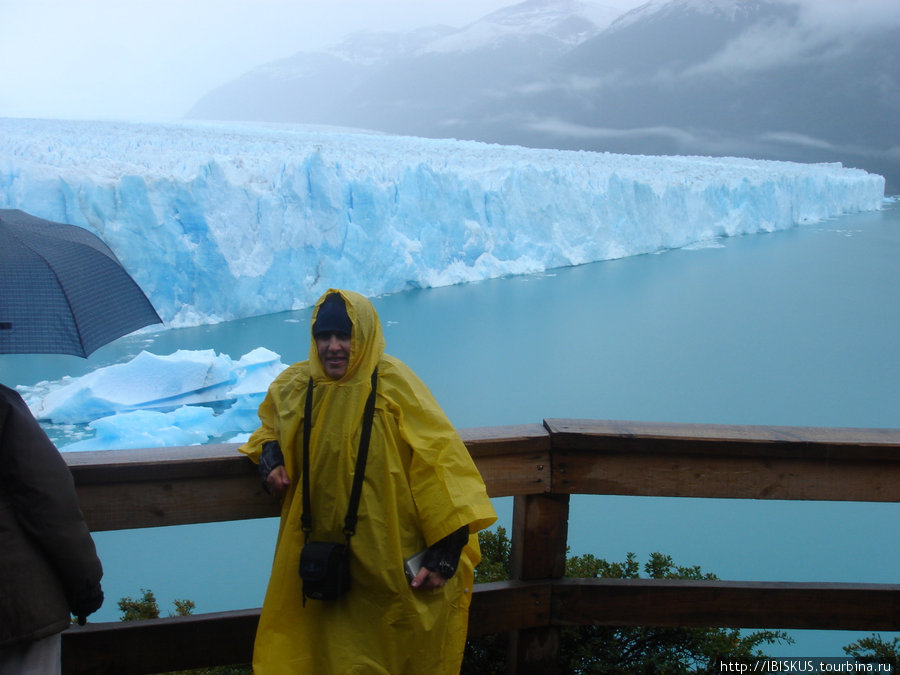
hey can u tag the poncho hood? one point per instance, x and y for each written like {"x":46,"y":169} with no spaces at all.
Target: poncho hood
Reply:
{"x":366,"y":340}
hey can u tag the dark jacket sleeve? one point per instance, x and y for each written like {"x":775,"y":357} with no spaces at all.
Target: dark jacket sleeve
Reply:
{"x":270,"y":458}
{"x":443,"y":555}
{"x":39,"y":487}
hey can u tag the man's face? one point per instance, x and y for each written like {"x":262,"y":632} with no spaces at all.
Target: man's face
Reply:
{"x":334,"y":353}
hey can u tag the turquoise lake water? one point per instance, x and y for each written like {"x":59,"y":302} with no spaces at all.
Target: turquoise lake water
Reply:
{"x":793,"y":328}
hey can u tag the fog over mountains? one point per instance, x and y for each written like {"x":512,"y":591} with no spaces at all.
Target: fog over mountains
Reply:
{"x":756,"y":78}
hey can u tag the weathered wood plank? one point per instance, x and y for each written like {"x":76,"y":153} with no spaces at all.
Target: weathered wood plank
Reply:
{"x":673,"y":460}
{"x":516,"y":440}
{"x":735,"y":604}
{"x":539,"y":537}
{"x":509,"y":605}
{"x":226,"y":638}
{"x":756,"y":441}
{"x":224,"y":458}
{"x":671,"y":475}
{"x":131,"y":489}
{"x":191,"y":461}
{"x":506,"y":475}
{"x":513,"y":460}
{"x":155,"y":503}
{"x":160,"y":645}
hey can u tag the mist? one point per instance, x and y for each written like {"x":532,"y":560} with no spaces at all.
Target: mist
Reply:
{"x":152,"y":59}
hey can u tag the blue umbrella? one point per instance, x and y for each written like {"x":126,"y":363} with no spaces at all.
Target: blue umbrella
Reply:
{"x":62,"y":290}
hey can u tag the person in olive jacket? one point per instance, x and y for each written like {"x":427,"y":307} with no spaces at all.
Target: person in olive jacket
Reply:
{"x":49,"y":567}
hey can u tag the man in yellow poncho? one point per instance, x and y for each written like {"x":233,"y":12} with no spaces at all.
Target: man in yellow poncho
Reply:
{"x":421,"y":491}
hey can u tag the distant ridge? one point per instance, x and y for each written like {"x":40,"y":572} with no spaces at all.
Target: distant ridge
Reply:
{"x":756,"y":78}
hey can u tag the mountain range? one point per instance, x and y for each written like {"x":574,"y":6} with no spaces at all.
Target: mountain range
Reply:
{"x":755,"y":78}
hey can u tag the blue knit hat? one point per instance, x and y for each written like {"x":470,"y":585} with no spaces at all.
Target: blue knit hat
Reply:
{"x":332,"y":316}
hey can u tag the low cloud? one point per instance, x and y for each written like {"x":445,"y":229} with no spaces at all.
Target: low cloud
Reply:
{"x":823,"y":30}
{"x":573,"y":84}
{"x":559,"y":127}
{"x":840,"y":16}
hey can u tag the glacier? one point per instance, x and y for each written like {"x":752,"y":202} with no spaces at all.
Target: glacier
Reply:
{"x":220,"y":221}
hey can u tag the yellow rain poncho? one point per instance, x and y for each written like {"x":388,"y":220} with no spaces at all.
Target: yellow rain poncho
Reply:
{"x":420,"y":486}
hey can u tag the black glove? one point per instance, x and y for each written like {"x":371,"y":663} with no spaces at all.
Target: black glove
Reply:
{"x":443,"y":556}
{"x":87,"y":601}
{"x":270,"y":458}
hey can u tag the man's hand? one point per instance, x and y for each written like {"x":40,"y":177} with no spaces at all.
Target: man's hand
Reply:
{"x":426,"y":579}
{"x":278,"y":480}
{"x":87,"y":601}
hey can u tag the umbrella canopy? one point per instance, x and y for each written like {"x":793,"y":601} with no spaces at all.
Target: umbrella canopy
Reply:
{"x":62,"y":290}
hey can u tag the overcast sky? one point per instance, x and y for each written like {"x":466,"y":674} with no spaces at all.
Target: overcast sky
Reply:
{"x":152,"y":59}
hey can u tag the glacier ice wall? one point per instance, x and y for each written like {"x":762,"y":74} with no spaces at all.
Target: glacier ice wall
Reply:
{"x":222,"y":221}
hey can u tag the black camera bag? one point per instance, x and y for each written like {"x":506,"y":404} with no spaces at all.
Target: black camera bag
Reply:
{"x":325,"y":570}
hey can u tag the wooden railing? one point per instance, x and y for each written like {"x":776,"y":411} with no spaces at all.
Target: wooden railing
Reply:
{"x":540,"y":466}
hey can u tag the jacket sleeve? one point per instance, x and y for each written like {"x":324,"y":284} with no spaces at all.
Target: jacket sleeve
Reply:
{"x":42,"y":492}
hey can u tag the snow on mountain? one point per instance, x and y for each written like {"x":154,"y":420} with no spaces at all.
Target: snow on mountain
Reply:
{"x":730,"y":9}
{"x":378,"y":47}
{"x":567,"y":21}
{"x":393,"y":81}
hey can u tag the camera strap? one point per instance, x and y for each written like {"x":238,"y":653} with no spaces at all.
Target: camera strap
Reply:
{"x":361,"y":457}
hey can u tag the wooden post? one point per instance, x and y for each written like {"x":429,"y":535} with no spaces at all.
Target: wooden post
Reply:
{"x":540,"y":529}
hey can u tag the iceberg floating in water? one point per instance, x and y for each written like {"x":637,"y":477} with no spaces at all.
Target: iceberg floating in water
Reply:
{"x":188,"y":425}
{"x":222,"y":221}
{"x":184,"y":398}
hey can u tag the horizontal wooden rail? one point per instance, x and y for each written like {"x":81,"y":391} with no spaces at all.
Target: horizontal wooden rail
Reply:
{"x":160,"y":645}
{"x":153,"y":487}
{"x":539,"y":465}
{"x":733,"y":604}
{"x":723,"y":461}
{"x":130,"y":489}
{"x":226,"y":638}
